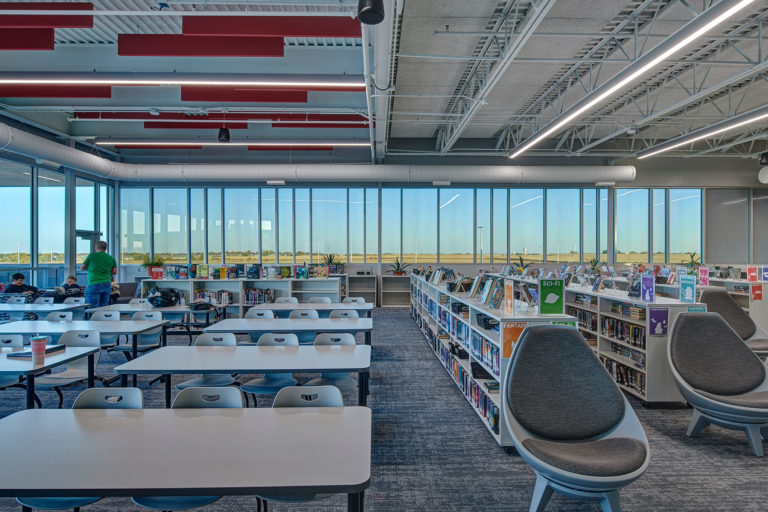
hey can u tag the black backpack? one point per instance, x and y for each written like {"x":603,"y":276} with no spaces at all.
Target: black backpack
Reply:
{"x":163,"y":297}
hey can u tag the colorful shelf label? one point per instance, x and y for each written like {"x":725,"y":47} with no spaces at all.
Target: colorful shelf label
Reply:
{"x":511,"y":333}
{"x":687,"y":288}
{"x":757,"y":292}
{"x":648,"y":288}
{"x":752,"y":274}
{"x":551,"y":297}
{"x":659,"y":321}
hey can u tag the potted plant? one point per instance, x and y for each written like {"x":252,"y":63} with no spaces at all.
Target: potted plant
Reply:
{"x":398,"y":268}
{"x":154,"y":266}
{"x":521,"y":265}
{"x":693,"y":263}
{"x":333,"y":260}
{"x":594,"y":263}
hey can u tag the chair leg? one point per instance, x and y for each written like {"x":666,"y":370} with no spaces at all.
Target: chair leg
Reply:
{"x":38,"y":402}
{"x":698,"y":422}
{"x":541,"y":494}
{"x":266,"y":508}
{"x":61,"y":396}
{"x":755,"y":439}
{"x":764,"y":432}
{"x":610,"y":502}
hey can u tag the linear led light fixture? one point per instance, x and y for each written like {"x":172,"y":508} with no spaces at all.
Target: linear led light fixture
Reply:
{"x":225,"y":79}
{"x":746,"y":118}
{"x":262,"y":142}
{"x":707,"y":21}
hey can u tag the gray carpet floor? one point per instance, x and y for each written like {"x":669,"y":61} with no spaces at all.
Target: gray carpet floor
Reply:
{"x":431,"y":452}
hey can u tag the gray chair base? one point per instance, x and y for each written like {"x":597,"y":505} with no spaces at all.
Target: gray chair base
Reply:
{"x":756,"y":432}
{"x":542,"y":492}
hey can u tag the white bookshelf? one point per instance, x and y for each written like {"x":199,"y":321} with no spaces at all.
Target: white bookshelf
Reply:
{"x":742,"y":292}
{"x":446,"y":317}
{"x":365,"y":286}
{"x":395,"y":291}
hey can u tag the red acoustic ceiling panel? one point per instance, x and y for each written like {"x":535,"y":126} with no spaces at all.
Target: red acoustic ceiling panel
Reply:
{"x":285,"y":26}
{"x":290,"y":148}
{"x":194,"y":126}
{"x":169,"y":146}
{"x":46,"y":20}
{"x":318,"y":125}
{"x":244,"y":116}
{"x":26,"y":38}
{"x":55,"y":91}
{"x":206,"y":93}
{"x":173,"y":45}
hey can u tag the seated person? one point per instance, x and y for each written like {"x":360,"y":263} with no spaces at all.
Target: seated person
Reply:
{"x":70,"y":285}
{"x":114,"y":293}
{"x":17,"y":285}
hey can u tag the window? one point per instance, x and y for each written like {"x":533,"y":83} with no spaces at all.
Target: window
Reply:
{"x":170,"y":224}
{"x":760,"y":228}
{"x":659,"y":212}
{"x":106,"y":198}
{"x":241,"y":225}
{"x":16,"y":198}
{"x":526,"y":224}
{"x":420,"y":225}
{"x":214,"y":225}
{"x":589,"y":224}
{"x":197,"y":225}
{"x":329,"y":220}
{"x":563,"y":225}
{"x":285,"y":225}
{"x":500,"y":213}
{"x":603,"y":224}
{"x":50,"y":218}
{"x":134,"y":225}
{"x":631,"y":225}
{"x":268,"y":226}
{"x":371,"y":225}
{"x":390,"y":224}
{"x":356,"y":225}
{"x":302,"y":225}
{"x":685,"y":223}
{"x":483,"y":216}
{"x":456,"y":225}
{"x":85,"y":216}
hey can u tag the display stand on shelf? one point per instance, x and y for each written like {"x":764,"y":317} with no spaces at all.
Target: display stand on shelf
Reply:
{"x":395,"y":291}
{"x":363,"y":286}
{"x":474,"y":343}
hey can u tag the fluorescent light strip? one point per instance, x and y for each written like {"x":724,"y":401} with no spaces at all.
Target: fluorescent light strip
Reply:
{"x":605,"y":94}
{"x":164,"y":81}
{"x":706,"y":135}
{"x":240,"y":143}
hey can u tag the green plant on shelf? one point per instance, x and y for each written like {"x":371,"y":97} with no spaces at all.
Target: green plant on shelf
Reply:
{"x":330,"y":259}
{"x":693,"y":262}
{"x":398,"y":268}
{"x":155,"y":261}
{"x":594,"y":263}
{"x":521,"y":265}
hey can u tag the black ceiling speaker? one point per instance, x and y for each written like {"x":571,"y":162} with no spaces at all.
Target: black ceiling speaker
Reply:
{"x":764,"y":159}
{"x":370,"y":12}
{"x":223,"y":134}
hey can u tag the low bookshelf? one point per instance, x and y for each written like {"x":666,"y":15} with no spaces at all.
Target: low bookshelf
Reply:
{"x":395,"y":291}
{"x":365,"y":286}
{"x":464,"y":333}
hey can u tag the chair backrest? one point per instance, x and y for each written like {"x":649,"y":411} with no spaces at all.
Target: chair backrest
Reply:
{"x":309,"y":396}
{"x":74,"y":300}
{"x":272,"y":339}
{"x":353,"y":300}
{"x":16,"y":300}
{"x":320,"y":300}
{"x":147,"y":315}
{"x":344,"y":313}
{"x":709,"y":355}
{"x":110,"y":398}
{"x":59,"y":316}
{"x":303,"y":313}
{"x":106,"y":316}
{"x":44,"y":300}
{"x":138,"y":301}
{"x":12,"y":340}
{"x":335,"y":338}
{"x":216,"y":339}
{"x":208,"y":398}
{"x":718,"y":300}
{"x":286,"y":300}
{"x":74,"y":338}
{"x":551,"y":403}
{"x":259,"y":313}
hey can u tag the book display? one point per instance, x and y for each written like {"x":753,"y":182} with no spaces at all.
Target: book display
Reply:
{"x":474,"y":341}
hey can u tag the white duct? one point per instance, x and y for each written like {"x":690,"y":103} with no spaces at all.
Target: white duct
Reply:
{"x":39,"y":148}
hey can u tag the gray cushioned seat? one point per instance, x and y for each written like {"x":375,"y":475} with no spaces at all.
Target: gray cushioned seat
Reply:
{"x":758,"y":344}
{"x":710,"y":357}
{"x":604,"y":457}
{"x":757,"y":400}
{"x":718,"y":300}
{"x":580,"y":402}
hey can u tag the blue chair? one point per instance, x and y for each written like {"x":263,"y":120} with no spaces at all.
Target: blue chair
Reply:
{"x":193,"y":398}
{"x":75,"y":371}
{"x":209,"y":339}
{"x":343,"y":381}
{"x":577,"y":431}
{"x":307,"y":337}
{"x":146,"y":341}
{"x":258,"y":314}
{"x":319,"y":300}
{"x":176,"y":319}
{"x":18,"y":299}
{"x":286,"y":300}
{"x":353,"y":300}
{"x":13,"y":381}
{"x":107,"y":341}
{"x":79,"y":313}
{"x":271,"y":383}
{"x":58,"y":316}
{"x":344,"y":313}
{"x":43,"y":300}
{"x":94,"y":398}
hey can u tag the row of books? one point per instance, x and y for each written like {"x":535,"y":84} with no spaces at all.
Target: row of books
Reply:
{"x":244,"y":271}
{"x":460,"y":330}
{"x":586,"y":319}
{"x":485,"y":351}
{"x":628,"y":333}
{"x":444,"y":319}
{"x":625,"y":375}
{"x":625,"y":309}
{"x":223,"y":297}
{"x":635,"y":355}
{"x":493,"y":293}
{"x":589,"y":301}
{"x":258,"y":295}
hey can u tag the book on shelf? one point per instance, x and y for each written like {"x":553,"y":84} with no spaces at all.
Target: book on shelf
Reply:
{"x":476,"y":286}
{"x":598,"y":284}
{"x":202,"y":271}
{"x":192,"y":271}
{"x":497,"y":295}
{"x":27,"y":354}
{"x":253,"y":271}
{"x":232,"y":271}
{"x":671,"y":278}
{"x":300,"y":272}
{"x":486,"y":291}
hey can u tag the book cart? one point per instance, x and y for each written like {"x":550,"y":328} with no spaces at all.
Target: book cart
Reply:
{"x":481,"y":336}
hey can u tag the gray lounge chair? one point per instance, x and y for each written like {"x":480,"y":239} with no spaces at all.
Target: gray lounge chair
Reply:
{"x":718,"y":300}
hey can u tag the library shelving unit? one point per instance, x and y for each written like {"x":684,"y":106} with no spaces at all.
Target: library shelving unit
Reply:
{"x":343,"y":283}
{"x":395,"y":291}
{"x":363,"y":286}
{"x":630,"y":337}
{"x":239,"y":293}
{"x":482,"y":337}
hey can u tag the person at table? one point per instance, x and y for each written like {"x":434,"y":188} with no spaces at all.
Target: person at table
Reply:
{"x":71,"y":286}
{"x":115,"y":291}
{"x":17,"y":285}
{"x":101,"y":267}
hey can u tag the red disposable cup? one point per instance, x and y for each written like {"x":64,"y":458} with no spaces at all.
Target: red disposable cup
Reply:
{"x":38,"y":348}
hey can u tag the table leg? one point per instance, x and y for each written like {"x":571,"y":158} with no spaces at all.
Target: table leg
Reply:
{"x":165,"y":336}
{"x":124,"y":380}
{"x":91,"y":371}
{"x":30,"y":382}
{"x":355,"y":501}
{"x":135,"y":342}
{"x":362,"y":388}
{"x":167,"y":391}
{"x":25,"y":509}
{"x":367,"y":337}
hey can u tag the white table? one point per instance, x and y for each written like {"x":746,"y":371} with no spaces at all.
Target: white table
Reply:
{"x":37,"y":308}
{"x":187,"y":452}
{"x":294,"y":325}
{"x":252,"y":359}
{"x":178,"y":309}
{"x":29,"y":370}
{"x":282,"y":310}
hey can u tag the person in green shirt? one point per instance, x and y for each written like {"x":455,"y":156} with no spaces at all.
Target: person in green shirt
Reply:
{"x":101,"y":267}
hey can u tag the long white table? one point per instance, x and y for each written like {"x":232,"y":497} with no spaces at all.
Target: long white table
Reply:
{"x":25,"y":366}
{"x":37,"y":308}
{"x":282,"y":310}
{"x":294,"y":325}
{"x":252,"y":359}
{"x":171,"y":452}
